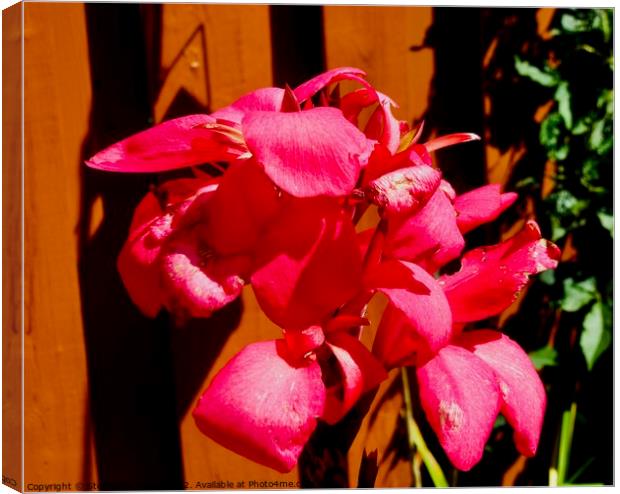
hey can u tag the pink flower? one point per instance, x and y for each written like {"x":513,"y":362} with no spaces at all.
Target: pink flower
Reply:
{"x":179,"y":143}
{"x":309,"y":153}
{"x":491,"y":278}
{"x":466,"y":379}
{"x":430,"y":236}
{"x":467,"y":383}
{"x":481,"y":205}
{"x":184,"y":256}
{"x":313,"y":152}
{"x":264,"y":403}
{"x":307,"y":263}
{"x":297,"y":174}
{"x":157,"y":249}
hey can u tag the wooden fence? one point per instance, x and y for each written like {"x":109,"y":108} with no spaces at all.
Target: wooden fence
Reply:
{"x":107,"y":393}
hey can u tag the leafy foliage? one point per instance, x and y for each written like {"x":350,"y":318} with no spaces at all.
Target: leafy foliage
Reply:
{"x":545,"y":356}
{"x":564,"y":78}
{"x":577,"y":137}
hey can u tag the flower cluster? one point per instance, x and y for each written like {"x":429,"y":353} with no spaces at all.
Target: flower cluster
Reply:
{"x":300,"y":168}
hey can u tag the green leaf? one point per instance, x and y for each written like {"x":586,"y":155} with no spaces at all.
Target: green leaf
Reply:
{"x":550,"y":130}
{"x":597,"y":135}
{"x":607,"y":145}
{"x":563,"y":97}
{"x":547,"y":277}
{"x":557,"y":230}
{"x":606,"y":101}
{"x":578,"y":294}
{"x":567,"y":205}
{"x":551,"y":137}
{"x":545,"y":78}
{"x":607,"y":220}
{"x":581,"y":126}
{"x":560,"y":153}
{"x":591,"y":175}
{"x":526,"y":182}
{"x":595,"y":337}
{"x":573,"y":24}
{"x":545,"y":356}
{"x":601,"y":139}
{"x":606,"y":19}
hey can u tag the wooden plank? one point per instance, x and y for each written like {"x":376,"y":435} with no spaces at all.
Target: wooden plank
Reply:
{"x":215,"y":53}
{"x":12,"y":247}
{"x":57,"y":102}
{"x":211,"y":55}
{"x":379,"y":41}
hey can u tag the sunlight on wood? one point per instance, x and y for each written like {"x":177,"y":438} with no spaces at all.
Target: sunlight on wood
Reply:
{"x":96,"y":217}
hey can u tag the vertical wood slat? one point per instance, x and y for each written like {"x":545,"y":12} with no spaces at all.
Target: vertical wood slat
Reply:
{"x":379,"y":41}
{"x":11,"y":247}
{"x":57,"y":97}
{"x":214,"y":54}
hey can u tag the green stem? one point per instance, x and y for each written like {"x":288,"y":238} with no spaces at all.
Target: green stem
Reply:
{"x":566,"y":440}
{"x":415,"y":437}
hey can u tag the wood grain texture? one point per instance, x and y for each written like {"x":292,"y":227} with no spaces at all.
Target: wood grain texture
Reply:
{"x":215,"y":53}
{"x":379,"y":41}
{"x":211,"y":55}
{"x":57,"y":99}
{"x":12,"y":247}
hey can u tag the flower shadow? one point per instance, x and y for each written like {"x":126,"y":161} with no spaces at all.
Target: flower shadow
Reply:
{"x":143,"y":374}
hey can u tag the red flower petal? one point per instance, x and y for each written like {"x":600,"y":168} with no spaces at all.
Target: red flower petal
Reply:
{"x":197,"y":282}
{"x":136,"y":262}
{"x":429,"y":237}
{"x":345,"y":322}
{"x":183,"y":192}
{"x":363,"y":240}
{"x":308,"y":263}
{"x":309,"y":153}
{"x":382,"y":125}
{"x":461,"y":399}
{"x":354,"y":102}
{"x":146,"y":211}
{"x":491,"y":277}
{"x":359,"y":372}
{"x":314,"y":85}
{"x":245,"y":201}
{"x":262,"y":405}
{"x":176,"y":143}
{"x":522,"y":392}
{"x":405,"y":190}
{"x":301,"y":342}
{"x":418,"y":298}
{"x":382,"y":162}
{"x":481,"y":205}
{"x":450,"y":140}
{"x":397,"y":343}
{"x":264,"y":99}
